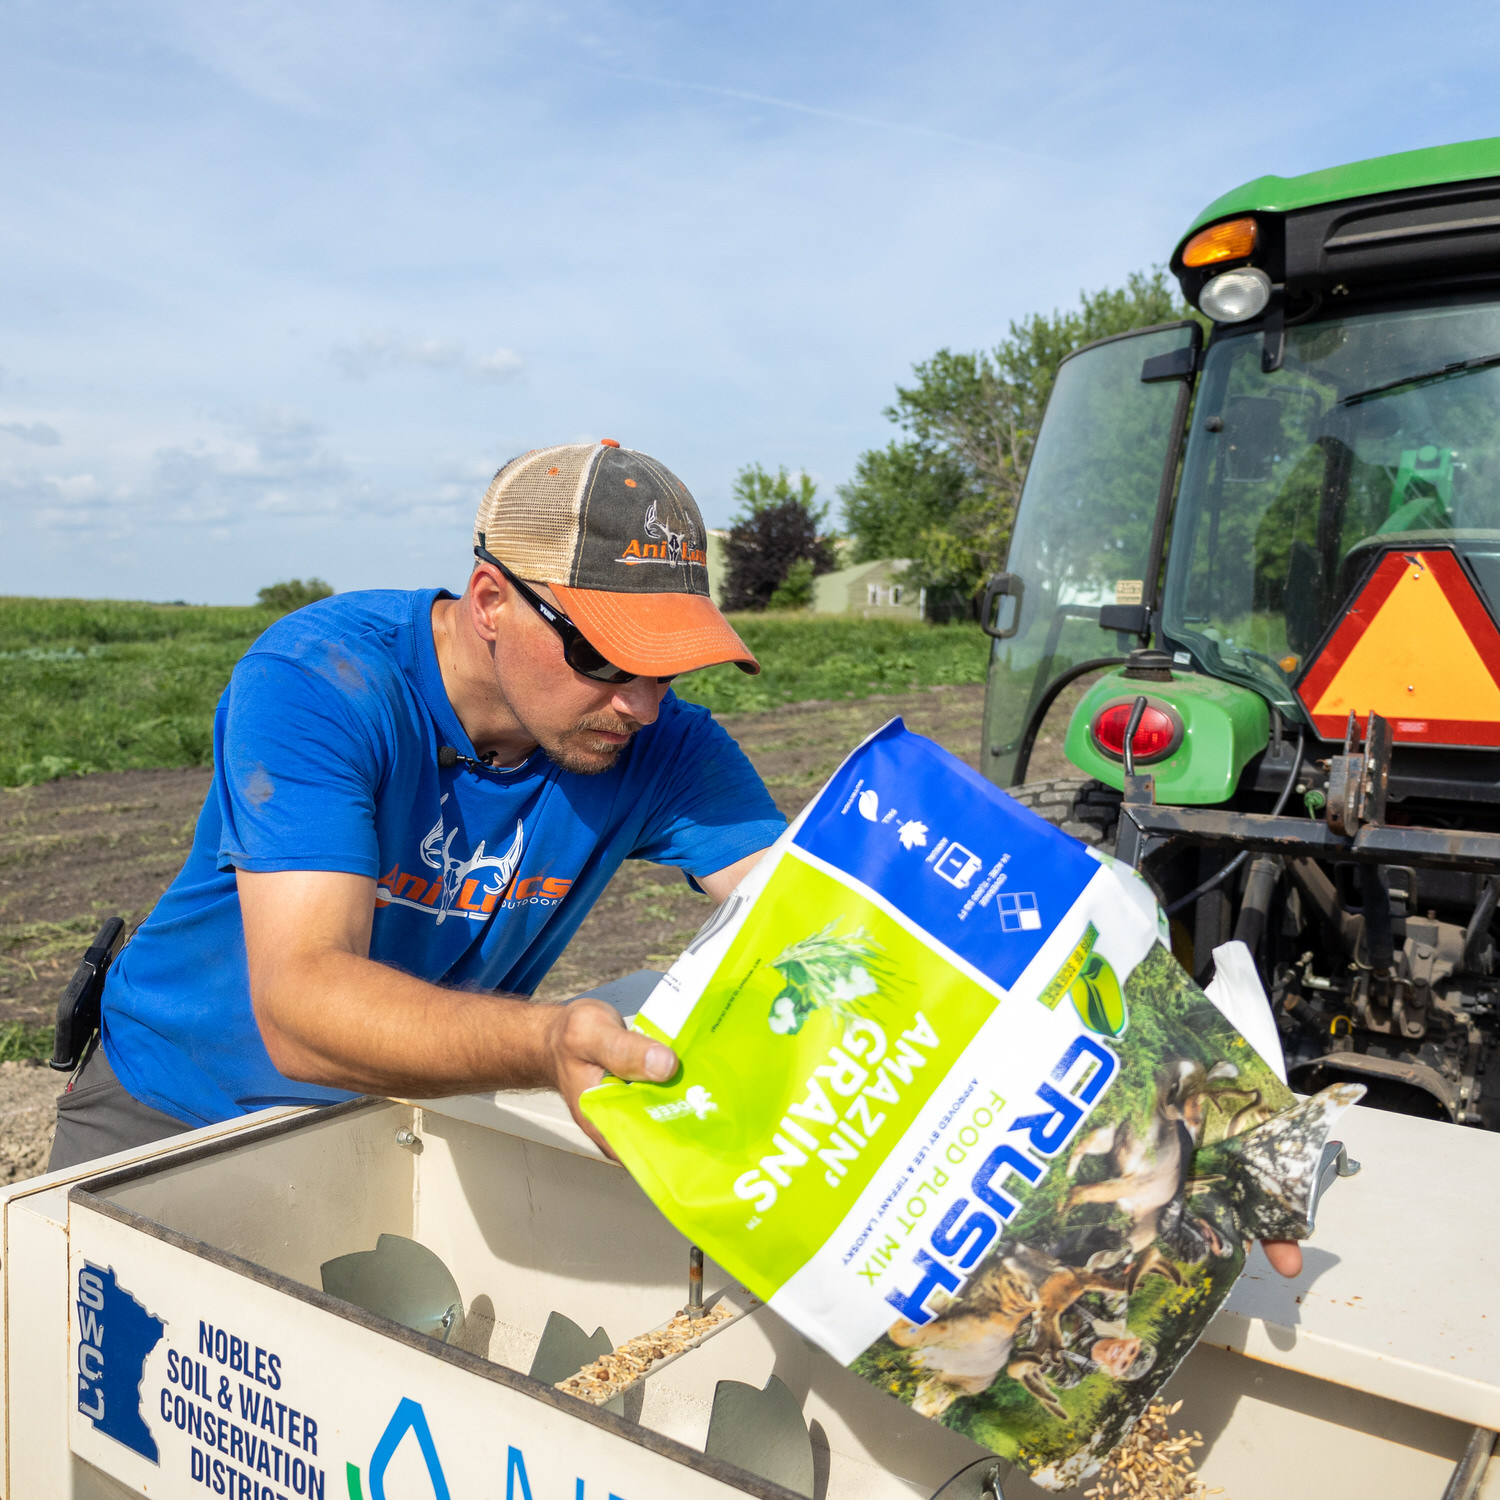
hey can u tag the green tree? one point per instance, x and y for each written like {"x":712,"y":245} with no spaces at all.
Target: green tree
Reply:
{"x":946,"y":498}
{"x":896,"y":494}
{"x":900,"y":503}
{"x":293,"y":594}
{"x":777,"y":528}
{"x":757,"y":489}
{"x":795,"y":591}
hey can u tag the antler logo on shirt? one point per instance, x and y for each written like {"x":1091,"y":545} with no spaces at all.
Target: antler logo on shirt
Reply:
{"x":471,"y":888}
{"x":437,"y":855}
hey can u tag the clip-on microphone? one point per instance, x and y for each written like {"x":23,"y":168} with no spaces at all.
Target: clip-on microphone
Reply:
{"x":448,"y":757}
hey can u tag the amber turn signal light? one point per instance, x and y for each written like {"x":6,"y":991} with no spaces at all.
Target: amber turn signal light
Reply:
{"x":1232,"y":240}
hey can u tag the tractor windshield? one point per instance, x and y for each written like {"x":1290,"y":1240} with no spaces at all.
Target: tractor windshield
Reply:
{"x":1378,"y":425}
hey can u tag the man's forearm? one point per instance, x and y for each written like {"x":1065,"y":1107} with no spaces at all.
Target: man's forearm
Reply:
{"x":374,"y":1030}
{"x":330,"y":1015}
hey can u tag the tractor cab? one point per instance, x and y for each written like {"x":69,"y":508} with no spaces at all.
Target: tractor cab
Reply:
{"x":1376,"y":437}
{"x":1275,"y":546}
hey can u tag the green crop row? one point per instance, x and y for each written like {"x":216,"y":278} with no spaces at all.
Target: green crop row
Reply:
{"x":105,"y":686}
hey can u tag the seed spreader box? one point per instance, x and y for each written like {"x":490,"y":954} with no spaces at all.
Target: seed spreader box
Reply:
{"x":167,"y":1331}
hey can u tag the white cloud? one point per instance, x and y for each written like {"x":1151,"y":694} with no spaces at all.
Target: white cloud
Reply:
{"x":448,"y":499}
{"x":41,"y":433}
{"x":275,"y":462}
{"x":374,"y":352}
{"x":385,"y":351}
{"x":58,"y":501}
{"x":502,"y":365}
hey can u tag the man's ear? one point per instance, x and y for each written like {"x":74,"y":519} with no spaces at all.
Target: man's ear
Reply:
{"x":486,"y":597}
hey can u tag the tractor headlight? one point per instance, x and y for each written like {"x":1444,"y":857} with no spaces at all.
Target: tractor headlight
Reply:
{"x":1234,"y":296}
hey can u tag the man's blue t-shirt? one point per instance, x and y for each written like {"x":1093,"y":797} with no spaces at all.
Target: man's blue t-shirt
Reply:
{"x":326,"y":758}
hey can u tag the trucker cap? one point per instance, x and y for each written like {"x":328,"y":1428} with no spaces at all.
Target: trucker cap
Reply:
{"x":620,"y":542}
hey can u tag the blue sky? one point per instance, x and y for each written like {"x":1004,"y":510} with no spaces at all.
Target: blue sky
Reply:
{"x":283,"y":281}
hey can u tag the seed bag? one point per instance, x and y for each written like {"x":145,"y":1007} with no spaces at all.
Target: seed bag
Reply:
{"x":950,"y":1106}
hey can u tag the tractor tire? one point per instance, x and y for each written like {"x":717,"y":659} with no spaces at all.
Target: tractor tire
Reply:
{"x":1079,"y":805}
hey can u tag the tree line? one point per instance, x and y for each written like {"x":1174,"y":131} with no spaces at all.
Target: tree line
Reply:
{"x":943,"y":493}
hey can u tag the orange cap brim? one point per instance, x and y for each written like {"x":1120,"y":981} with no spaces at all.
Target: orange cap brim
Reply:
{"x":656,"y":635}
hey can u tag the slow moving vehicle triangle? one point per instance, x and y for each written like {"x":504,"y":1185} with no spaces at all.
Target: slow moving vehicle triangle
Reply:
{"x":1418,"y":647}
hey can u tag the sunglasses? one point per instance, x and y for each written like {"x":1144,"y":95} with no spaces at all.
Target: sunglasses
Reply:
{"x":577,"y":652}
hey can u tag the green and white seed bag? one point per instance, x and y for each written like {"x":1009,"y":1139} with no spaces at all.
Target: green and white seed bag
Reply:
{"x":950,"y":1106}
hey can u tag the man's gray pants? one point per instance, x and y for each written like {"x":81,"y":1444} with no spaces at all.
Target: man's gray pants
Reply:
{"x":98,"y":1117}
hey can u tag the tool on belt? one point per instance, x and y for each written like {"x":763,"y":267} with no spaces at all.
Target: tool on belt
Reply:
{"x":78,"y":1010}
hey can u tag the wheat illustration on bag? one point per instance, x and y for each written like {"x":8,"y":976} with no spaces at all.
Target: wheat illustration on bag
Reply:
{"x":825,"y":972}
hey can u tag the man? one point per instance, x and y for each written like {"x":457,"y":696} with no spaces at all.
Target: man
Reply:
{"x":416,"y":800}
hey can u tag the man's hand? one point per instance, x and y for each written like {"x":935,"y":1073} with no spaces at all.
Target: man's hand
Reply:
{"x":1285,"y":1256}
{"x":587,"y":1039}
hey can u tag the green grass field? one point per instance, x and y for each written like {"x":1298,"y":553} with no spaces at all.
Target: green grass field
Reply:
{"x":97,"y":685}
{"x":23,"y":1041}
{"x":834,"y":657}
{"x":101,"y":685}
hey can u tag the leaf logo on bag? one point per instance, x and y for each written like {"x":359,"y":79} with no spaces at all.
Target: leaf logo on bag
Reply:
{"x":1097,"y":998}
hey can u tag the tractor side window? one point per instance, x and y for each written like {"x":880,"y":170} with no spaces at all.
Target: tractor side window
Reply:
{"x":1082,"y":537}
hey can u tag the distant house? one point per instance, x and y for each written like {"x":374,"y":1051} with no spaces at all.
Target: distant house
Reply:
{"x":717,"y":563}
{"x":872,"y":590}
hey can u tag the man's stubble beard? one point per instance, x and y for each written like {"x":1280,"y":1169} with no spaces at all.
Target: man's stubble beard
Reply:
{"x":569,"y":756}
{"x":560,"y":747}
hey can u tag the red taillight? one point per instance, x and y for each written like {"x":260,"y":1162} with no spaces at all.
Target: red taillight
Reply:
{"x":1156,"y":735}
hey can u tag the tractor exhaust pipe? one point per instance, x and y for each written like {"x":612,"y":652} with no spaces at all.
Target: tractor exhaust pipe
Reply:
{"x":1260,"y":886}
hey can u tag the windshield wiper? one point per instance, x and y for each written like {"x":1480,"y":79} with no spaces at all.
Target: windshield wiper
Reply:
{"x":1430,"y":377}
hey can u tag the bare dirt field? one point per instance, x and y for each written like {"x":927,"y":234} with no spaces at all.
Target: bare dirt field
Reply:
{"x":75,"y":851}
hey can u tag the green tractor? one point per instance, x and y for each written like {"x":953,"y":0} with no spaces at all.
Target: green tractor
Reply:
{"x":1275,"y":550}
